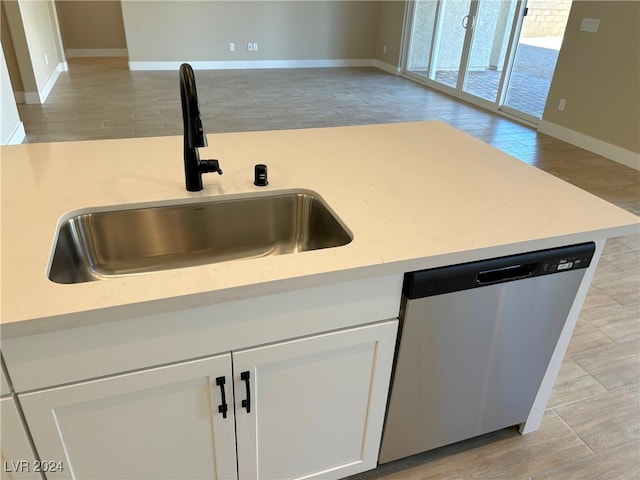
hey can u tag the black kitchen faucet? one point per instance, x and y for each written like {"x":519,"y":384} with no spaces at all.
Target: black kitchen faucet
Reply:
{"x":194,"y":136}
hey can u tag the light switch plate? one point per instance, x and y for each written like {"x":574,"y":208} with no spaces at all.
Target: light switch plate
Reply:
{"x":562,"y":104}
{"x":590,"y":25}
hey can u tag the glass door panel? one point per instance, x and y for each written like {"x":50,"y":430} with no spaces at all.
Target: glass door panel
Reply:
{"x":422,"y":35}
{"x":492,"y":28}
{"x":449,"y":41}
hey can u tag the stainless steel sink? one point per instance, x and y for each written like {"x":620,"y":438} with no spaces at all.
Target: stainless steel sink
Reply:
{"x":97,"y":245}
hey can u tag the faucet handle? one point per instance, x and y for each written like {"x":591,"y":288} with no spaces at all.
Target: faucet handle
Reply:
{"x":207,"y":166}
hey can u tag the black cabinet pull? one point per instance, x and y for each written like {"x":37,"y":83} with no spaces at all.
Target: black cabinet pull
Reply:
{"x":223,"y":407}
{"x":246,"y":403}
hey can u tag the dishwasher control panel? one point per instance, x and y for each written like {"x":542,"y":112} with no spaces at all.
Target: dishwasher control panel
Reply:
{"x":482,"y":273}
{"x":565,"y":262}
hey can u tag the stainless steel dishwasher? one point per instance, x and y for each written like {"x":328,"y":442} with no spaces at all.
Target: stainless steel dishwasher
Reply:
{"x":475,"y":343}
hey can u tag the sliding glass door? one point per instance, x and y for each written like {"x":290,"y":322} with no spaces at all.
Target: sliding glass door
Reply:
{"x":463,"y":47}
{"x":493,"y":23}
{"x":437,"y":42}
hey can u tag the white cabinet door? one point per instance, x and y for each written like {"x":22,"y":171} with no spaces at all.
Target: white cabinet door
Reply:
{"x":162,"y":423}
{"x":18,"y":461}
{"x":316,"y":404}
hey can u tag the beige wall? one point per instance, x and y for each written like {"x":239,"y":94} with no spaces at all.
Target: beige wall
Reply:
{"x":599,"y":75}
{"x":33,"y":28}
{"x":284,"y":30}
{"x":390,"y":27}
{"x":39,"y":25}
{"x":9,"y":117}
{"x":21,"y":53}
{"x":91,"y":24}
{"x":9,"y":51}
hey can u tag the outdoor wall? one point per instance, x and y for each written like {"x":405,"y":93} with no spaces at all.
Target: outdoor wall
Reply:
{"x":170,"y":31}
{"x":546,"y":18}
{"x":598,"y":74}
{"x":91,"y":26}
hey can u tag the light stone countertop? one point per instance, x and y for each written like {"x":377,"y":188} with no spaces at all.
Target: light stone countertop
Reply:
{"x":414,"y":195}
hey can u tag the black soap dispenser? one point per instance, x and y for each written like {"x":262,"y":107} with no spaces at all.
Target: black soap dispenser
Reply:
{"x":260,"y":175}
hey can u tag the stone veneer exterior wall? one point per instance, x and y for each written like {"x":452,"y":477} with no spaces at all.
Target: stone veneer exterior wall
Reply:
{"x":546,"y":18}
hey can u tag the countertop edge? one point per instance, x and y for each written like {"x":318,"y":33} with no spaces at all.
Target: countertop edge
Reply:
{"x":26,"y":327}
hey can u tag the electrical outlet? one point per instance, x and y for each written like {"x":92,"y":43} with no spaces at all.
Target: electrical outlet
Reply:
{"x":255,"y":47}
{"x":232,"y":47}
{"x":590,"y":25}
{"x":250,"y":47}
{"x":562,"y":104}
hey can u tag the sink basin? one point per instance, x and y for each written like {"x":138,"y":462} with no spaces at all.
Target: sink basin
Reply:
{"x":97,"y":245}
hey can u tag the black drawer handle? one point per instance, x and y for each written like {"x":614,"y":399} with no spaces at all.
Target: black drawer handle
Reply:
{"x":246,"y":403}
{"x":223,"y":407}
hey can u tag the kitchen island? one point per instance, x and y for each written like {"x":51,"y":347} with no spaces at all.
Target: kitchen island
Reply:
{"x":413,"y":196}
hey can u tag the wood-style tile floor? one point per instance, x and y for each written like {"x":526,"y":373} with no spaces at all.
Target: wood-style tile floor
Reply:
{"x":591,"y":428}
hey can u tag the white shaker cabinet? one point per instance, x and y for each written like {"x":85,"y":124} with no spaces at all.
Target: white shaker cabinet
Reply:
{"x":316,"y":404}
{"x":16,"y":455}
{"x":309,"y":408}
{"x":161,"y":423}
{"x":18,"y":462}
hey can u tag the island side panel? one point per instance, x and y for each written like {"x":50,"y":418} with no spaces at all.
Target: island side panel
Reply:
{"x":546,"y":386}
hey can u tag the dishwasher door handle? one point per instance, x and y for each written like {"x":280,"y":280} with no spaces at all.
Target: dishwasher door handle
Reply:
{"x":505,"y":274}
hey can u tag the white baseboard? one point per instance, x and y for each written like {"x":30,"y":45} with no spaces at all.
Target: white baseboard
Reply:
{"x":20,"y":97}
{"x":32,"y":98}
{"x":387,"y":67}
{"x":253,"y":64}
{"x":257,"y":64}
{"x":607,"y":150}
{"x":36,"y":98}
{"x":17,"y":136}
{"x":96,"y":52}
{"x":48,"y":86}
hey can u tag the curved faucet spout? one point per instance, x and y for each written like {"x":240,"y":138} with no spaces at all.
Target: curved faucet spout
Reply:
{"x":194,"y":135}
